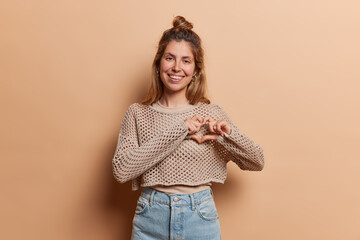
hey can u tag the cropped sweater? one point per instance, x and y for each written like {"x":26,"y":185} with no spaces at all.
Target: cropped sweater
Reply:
{"x":154,"y":148}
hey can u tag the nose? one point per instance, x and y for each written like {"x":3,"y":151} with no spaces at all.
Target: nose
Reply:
{"x":176,"y":67}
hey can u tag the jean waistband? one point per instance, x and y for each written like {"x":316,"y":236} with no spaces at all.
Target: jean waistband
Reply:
{"x":176,"y":199}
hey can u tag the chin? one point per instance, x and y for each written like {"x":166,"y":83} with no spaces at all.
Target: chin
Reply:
{"x":174,"y":88}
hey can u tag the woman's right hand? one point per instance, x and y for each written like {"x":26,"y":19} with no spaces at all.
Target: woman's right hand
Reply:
{"x":194,"y":124}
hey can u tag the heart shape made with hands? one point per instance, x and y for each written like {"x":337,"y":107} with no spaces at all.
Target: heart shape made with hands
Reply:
{"x":204,"y":138}
{"x":216,"y":128}
{"x":201,"y":139}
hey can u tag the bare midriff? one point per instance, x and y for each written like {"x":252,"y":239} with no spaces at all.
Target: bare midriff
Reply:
{"x":181,"y":189}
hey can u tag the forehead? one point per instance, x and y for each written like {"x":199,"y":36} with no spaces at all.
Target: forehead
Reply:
{"x":179,"y":49}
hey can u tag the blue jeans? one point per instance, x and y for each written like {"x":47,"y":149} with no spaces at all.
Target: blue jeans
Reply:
{"x":162,"y":216}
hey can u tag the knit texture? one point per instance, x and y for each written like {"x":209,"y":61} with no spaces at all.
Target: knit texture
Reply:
{"x":154,"y":148}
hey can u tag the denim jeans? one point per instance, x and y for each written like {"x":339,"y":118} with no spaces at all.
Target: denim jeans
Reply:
{"x":162,"y":216}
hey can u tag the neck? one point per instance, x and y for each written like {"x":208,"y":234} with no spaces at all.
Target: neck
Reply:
{"x":173,"y":100}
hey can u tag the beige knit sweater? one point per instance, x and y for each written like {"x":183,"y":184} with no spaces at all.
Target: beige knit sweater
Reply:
{"x":154,"y":148}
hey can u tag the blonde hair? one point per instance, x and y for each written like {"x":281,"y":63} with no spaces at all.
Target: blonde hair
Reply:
{"x":196,"y":90}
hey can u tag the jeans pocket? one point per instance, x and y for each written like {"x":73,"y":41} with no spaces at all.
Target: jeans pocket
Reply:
{"x":207,"y":210}
{"x":141,"y":206}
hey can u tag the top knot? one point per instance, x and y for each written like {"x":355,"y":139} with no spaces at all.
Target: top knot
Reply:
{"x":181,"y":22}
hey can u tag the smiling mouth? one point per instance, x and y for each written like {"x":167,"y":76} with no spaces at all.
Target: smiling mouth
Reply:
{"x":175,"y":78}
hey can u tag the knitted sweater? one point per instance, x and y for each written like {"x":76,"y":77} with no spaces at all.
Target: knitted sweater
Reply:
{"x":154,"y":148}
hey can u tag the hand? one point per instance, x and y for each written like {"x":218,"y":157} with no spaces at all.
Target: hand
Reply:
{"x":194,"y":124}
{"x":218,"y":127}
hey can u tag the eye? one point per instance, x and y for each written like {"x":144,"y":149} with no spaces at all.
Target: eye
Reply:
{"x":187,"y":61}
{"x":169,"y":58}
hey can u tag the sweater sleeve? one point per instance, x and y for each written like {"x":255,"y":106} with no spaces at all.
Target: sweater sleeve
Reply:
{"x":131,"y":159}
{"x":243,"y":151}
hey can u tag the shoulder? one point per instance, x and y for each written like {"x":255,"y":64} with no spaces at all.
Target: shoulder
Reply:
{"x":215,"y":110}
{"x":212,"y":107}
{"x":136,"y":110}
{"x":136,"y":107}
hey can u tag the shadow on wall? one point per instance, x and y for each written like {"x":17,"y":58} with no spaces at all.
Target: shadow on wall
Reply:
{"x":107,"y":209}
{"x":110,"y":204}
{"x":120,"y":200}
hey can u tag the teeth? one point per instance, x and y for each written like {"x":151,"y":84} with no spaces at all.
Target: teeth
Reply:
{"x":176,"y":77}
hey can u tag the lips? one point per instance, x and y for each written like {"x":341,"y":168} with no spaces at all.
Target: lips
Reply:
{"x":175,"y":78}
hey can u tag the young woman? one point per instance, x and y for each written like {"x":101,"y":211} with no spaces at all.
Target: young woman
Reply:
{"x":175,"y":144}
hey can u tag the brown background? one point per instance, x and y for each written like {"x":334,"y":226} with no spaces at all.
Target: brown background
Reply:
{"x":287,"y":73}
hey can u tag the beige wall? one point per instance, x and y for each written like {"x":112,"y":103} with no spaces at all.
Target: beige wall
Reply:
{"x":287,"y":73}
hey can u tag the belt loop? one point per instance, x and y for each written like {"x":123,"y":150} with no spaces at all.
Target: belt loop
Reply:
{"x":151,"y":197}
{"x":192,"y":202}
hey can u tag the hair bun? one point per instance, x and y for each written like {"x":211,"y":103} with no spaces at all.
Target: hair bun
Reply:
{"x":181,"y":22}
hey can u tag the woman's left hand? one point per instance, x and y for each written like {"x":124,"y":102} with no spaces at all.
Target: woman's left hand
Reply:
{"x":216,"y":127}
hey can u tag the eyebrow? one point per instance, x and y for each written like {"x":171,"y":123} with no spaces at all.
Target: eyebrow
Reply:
{"x":175,"y":56}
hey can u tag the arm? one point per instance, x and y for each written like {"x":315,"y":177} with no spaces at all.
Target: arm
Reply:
{"x":131,"y":159}
{"x":244,"y":152}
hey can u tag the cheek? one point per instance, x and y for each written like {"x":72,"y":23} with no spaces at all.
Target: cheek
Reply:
{"x":189,"y":70}
{"x":164,"y":66}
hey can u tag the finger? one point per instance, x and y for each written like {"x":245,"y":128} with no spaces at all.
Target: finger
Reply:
{"x":191,"y":125}
{"x":225,"y":127}
{"x":219,"y":127}
{"x":209,"y":137}
{"x":197,"y":118}
{"x":197,"y":124}
{"x":196,"y":138}
{"x":211,"y":126}
{"x":208,"y":119}
{"x":192,"y":128}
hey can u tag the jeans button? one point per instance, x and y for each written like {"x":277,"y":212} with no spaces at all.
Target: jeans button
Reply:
{"x":176,"y":199}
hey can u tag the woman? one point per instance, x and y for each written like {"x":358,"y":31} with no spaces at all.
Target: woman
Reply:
{"x":175,"y":144}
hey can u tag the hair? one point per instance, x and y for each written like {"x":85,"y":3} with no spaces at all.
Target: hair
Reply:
{"x":196,"y":89}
